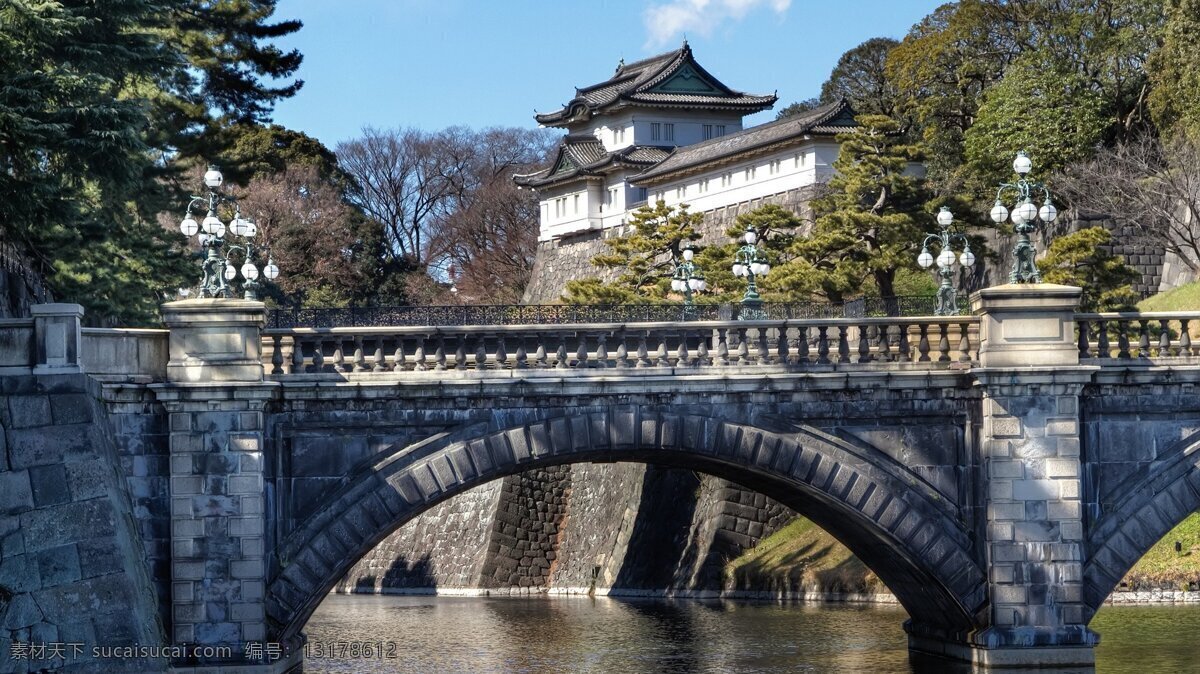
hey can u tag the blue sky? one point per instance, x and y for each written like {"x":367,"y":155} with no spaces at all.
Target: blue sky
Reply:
{"x":436,"y":63}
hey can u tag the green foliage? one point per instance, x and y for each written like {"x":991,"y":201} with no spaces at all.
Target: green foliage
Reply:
{"x":950,"y":61}
{"x":868,"y":222}
{"x":645,"y":258}
{"x":860,"y":77}
{"x":256,"y":151}
{"x":798,"y":108}
{"x":75,"y":157}
{"x":1051,"y":113}
{"x":1080,"y":259}
{"x":1174,"y":98}
{"x":1184,"y":298}
{"x":777,"y":230}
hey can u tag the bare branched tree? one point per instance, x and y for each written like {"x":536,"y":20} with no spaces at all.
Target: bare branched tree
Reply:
{"x":446,"y":200}
{"x":314,"y":235}
{"x":404,"y":179}
{"x":1150,"y":185}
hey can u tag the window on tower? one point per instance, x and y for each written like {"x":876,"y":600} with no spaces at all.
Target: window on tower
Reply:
{"x":655,"y":131}
{"x":669,"y":132}
{"x":708,"y":131}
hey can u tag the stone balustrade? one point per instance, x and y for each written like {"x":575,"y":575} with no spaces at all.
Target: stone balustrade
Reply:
{"x":1118,"y":338}
{"x":923,"y":343}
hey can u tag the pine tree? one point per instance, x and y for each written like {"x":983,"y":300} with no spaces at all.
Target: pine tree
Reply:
{"x":74,"y":156}
{"x":644,"y":257}
{"x":867,"y":223}
{"x":1083,"y":259}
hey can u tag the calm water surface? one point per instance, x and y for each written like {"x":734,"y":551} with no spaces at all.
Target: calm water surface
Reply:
{"x":580,"y":634}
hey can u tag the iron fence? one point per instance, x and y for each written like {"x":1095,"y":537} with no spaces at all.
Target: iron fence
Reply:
{"x":558,"y":314}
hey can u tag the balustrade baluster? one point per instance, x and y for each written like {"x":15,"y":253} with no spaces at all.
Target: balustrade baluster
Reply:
{"x":964,"y":343}
{"x":1102,"y":347}
{"x":843,"y":344}
{"x":944,"y":343}
{"x":660,"y":357}
{"x":643,"y":352}
{"x":864,"y":347}
{"x":1123,"y":339}
{"x":522,"y":356}
{"x":702,"y":358}
{"x":1164,"y":339}
{"x":622,"y":350}
{"x":1185,"y":338}
{"x":743,"y":349}
{"x":318,"y":361}
{"x":1084,"y":346}
{"x":539,"y":354}
{"x":722,"y":346}
{"x":460,"y":353}
{"x":501,"y":353}
{"x":884,"y":347}
{"x":276,"y":354}
{"x":822,"y":345}
{"x":360,"y":358}
{"x":481,"y":356}
{"x":681,"y":353}
{"x":377,"y":355}
{"x":802,"y":345}
{"x":764,"y":350}
{"x":581,"y":352}
{"x":560,"y":356}
{"x":419,"y":354}
{"x":903,"y":347}
{"x":398,"y":355}
{"x":339,"y":360}
{"x":923,"y":345}
{"x":783,"y":352}
{"x":297,"y":356}
{"x":602,"y":350}
{"x":439,"y":353}
{"x":1144,"y":339}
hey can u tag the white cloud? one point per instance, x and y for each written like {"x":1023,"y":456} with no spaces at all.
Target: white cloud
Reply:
{"x":665,"y":22}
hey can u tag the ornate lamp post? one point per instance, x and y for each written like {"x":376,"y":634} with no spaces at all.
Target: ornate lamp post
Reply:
{"x":218,"y":265}
{"x":1025,"y":218}
{"x":686,"y":278}
{"x":947,"y":298}
{"x":749,"y":262}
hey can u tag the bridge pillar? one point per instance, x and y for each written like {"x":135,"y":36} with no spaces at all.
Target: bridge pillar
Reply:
{"x":215,"y":396}
{"x":1030,"y":514}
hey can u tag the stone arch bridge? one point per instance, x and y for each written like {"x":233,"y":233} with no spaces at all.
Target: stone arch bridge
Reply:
{"x":999,"y":472}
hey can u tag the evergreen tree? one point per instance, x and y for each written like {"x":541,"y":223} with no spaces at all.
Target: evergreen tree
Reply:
{"x":644,"y":258}
{"x":777,"y":230}
{"x":1082,"y":259}
{"x":860,"y":77}
{"x":1174,"y":98}
{"x":74,"y":156}
{"x":867,"y":223}
{"x":1059,"y":120}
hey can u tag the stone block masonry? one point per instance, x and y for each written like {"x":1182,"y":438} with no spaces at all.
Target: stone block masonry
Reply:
{"x":72,"y":558}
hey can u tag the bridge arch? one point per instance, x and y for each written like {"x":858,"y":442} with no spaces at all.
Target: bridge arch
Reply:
{"x":898,"y":526}
{"x":1149,"y":508}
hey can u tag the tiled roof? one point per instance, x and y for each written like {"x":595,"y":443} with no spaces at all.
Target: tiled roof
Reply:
{"x":635,"y":83}
{"x":582,"y":155}
{"x":829,"y":119}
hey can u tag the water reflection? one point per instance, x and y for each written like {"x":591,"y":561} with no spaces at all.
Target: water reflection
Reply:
{"x":580,"y":634}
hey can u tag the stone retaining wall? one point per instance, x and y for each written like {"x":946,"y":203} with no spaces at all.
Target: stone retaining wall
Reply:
{"x":71,"y":558}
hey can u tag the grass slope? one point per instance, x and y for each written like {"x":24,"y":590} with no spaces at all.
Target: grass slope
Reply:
{"x":1183,"y":298}
{"x":801,"y":557}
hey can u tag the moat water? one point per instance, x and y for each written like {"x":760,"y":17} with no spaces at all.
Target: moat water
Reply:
{"x":367,"y":634}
